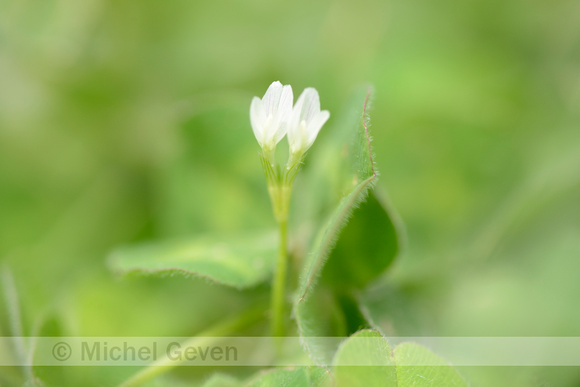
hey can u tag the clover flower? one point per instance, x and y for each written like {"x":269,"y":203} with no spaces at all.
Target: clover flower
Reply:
{"x":270,"y":114}
{"x":305,"y":122}
{"x":273,"y":117}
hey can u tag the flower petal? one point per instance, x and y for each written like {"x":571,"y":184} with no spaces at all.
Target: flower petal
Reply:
{"x":294,"y":135}
{"x":285,"y":105}
{"x":271,"y":99}
{"x":257,"y":118}
{"x":306,"y":121}
{"x":315,"y":125}
{"x":283,"y":113}
{"x":311,"y":104}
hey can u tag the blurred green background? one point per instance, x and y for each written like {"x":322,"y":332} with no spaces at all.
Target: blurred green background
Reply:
{"x":124,"y":121}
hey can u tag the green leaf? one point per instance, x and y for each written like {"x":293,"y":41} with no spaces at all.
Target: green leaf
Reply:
{"x":322,"y":314}
{"x":297,"y":377}
{"x":364,"y":363}
{"x":418,"y":366}
{"x":317,"y":315}
{"x":328,"y":236}
{"x":367,"y":246}
{"x":361,"y":180}
{"x":221,"y":380}
{"x":365,"y":359}
{"x":238,"y":261}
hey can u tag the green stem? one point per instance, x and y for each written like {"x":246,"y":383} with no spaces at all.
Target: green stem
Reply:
{"x":279,"y":285}
{"x":206,"y":337}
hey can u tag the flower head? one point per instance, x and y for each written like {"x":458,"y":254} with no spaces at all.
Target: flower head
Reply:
{"x":270,"y":114}
{"x":273,"y":117}
{"x":305,"y":122}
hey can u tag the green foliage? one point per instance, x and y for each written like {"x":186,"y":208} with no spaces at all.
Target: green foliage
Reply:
{"x":367,"y":246}
{"x":364,"y":363}
{"x":351,"y":178}
{"x":299,"y":377}
{"x":365,"y":359}
{"x":243,"y":261}
{"x":221,"y":380}
{"x":239,"y":261}
{"x":123,"y":122}
{"x":321,"y":314}
{"x":417,"y":366}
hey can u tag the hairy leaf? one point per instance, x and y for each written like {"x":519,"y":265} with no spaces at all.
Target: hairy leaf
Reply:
{"x":367,"y":246}
{"x":418,"y":366}
{"x":239,"y":261}
{"x":297,"y":377}
{"x":365,"y":359}
{"x":364,"y":363}
{"x":361,"y":180}
{"x":376,"y":244}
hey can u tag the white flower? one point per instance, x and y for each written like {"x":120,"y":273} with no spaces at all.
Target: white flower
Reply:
{"x":270,"y":114}
{"x":305,"y":122}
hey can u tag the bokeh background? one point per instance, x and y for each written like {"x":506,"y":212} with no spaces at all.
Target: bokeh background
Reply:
{"x":123,"y":121}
